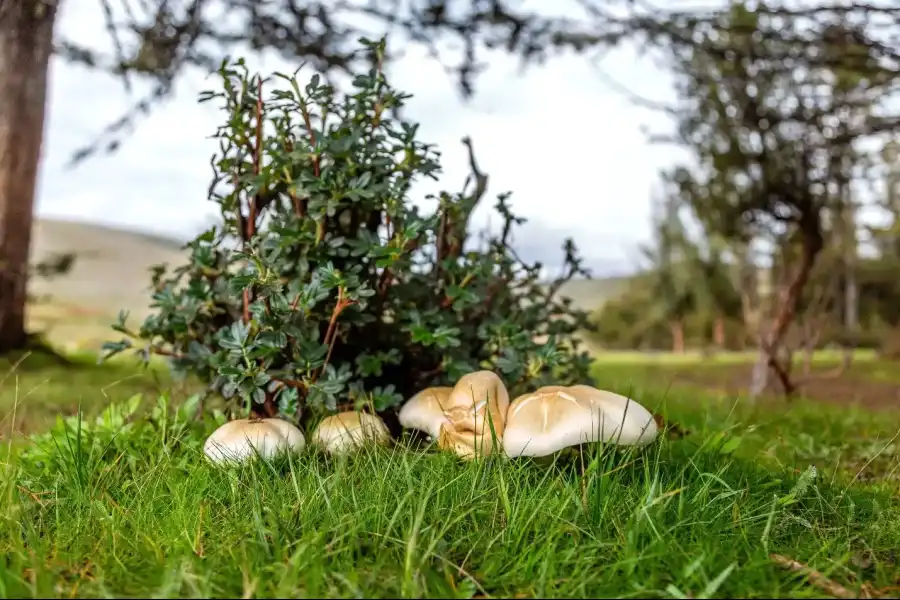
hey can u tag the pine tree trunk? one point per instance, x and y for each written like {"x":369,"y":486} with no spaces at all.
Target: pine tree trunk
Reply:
{"x":26,"y":38}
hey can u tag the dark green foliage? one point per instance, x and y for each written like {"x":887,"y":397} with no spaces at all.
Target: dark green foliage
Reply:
{"x":324,"y":287}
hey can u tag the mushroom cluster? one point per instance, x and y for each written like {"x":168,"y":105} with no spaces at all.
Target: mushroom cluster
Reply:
{"x":473,"y":418}
{"x":476,"y":417}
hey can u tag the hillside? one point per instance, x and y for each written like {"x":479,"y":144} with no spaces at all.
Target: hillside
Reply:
{"x":112,"y":272}
{"x":590,"y":294}
{"x":112,"y":266}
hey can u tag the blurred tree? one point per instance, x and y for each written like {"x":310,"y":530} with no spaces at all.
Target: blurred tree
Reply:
{"x":688,"y":288}
{"x":766,"y":140}
{"x":669,"y":279}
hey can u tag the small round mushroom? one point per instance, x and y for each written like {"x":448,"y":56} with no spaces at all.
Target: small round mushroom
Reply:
{"x":476,"y":414}
{"x":425,"y":410}
{"x":350,"y":430}
{"x":556,"y":417}
{"x":242,"y":439}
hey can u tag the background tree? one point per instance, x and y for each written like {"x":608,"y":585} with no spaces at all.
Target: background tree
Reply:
{"x":670,"y":273}
{"x":766,"y":142}
{"x":686,"y":293}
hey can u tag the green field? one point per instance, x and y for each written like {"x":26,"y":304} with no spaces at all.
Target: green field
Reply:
{"x":719,"y":510}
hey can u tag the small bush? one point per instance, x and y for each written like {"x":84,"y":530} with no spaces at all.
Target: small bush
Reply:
{"x":323,"y":287}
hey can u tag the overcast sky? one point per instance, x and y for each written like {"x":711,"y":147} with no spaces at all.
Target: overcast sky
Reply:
{"x":565,"y":141}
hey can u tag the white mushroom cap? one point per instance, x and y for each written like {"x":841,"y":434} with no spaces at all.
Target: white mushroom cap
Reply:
{"x":291,"y":432}
{"x":425,"y":410}
{"x":349,"y":430}
{"x":475,"y":415}
{"x":475,"y":397}
{"x":242,"y":439}
{"x":556,"y":417}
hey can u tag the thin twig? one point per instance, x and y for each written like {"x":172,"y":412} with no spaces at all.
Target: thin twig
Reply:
{"x":815,"y":578}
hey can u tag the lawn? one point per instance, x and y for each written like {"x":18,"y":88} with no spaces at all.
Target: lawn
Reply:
{"x":742,"y":502}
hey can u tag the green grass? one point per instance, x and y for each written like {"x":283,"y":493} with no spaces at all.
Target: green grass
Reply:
{"x":140,"y":513}
{"x":35,"y":388}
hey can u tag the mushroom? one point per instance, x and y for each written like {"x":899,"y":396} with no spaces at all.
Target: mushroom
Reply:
{"x":349,"y":430}
{"x":475,"y":414}
{"x":557,"y":417}
{"x":466,"y":444}
{"x":242,"y":439}
{"x":425,"y":410}
{"x":474,"y":397}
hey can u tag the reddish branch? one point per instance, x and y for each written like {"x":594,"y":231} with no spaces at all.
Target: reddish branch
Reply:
{"x":787,"y":305}
{"x":247,"y":228}
{"x":248,"y":223}
{"x":331,"y":333}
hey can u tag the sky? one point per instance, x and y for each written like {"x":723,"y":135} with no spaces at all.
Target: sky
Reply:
{"x":562,"y":137}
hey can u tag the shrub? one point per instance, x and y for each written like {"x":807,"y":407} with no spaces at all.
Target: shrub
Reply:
{"x":323,"y":287}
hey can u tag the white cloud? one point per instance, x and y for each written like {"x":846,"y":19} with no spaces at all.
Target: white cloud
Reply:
{"x":570,"y":149}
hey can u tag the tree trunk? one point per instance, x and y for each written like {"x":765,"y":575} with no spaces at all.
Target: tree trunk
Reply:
{"x":719,"y":332}
{"x":785,"y":311}
{"x":748,"y":287}
{"x":26,"y":38}
{"x":677,"y":337}
{"x":759,"y":378}
{"x":851,"y":302}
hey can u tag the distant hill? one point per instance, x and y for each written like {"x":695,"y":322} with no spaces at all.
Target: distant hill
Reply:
{"x":112,"y":266}
{"x":112,"y":272}
{"x":590,"y":294}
